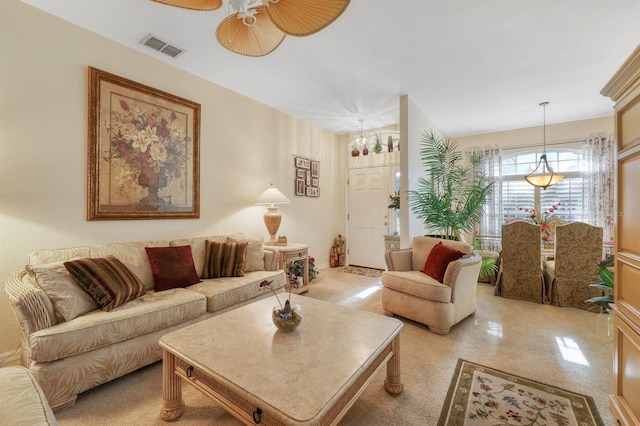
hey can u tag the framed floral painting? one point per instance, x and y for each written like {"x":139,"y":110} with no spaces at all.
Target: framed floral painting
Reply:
{"x":143,"y":152}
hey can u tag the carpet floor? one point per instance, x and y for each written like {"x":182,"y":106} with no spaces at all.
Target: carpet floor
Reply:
{"x":564,"y":347}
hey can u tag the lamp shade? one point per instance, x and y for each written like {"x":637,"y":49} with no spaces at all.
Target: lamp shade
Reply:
{"x":272,"y":196}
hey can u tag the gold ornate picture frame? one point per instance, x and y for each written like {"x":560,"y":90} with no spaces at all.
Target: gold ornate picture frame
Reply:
{"x":143,"y":151}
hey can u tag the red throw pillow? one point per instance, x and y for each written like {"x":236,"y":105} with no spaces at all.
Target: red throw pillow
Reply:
{"x":438,"y":260}
{"x":172,"y":267}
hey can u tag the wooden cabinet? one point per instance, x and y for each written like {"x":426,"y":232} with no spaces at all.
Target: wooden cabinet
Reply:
{"x":290,"y":253}
{"x":624,"y":90}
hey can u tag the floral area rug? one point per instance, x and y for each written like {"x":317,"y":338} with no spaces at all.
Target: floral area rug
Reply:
{"x":358,"y":270}
{"x":483,"y":396}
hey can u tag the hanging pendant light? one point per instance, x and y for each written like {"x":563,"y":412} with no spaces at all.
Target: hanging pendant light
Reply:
{"x":543,"y":175}
{"x":361,"y":142}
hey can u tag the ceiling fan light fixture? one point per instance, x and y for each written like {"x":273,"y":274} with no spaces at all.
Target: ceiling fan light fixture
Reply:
{"x":304,"y":17}
{"x":543,"y":175}
{"x":193,"y":4}
{"x":257,"y":36}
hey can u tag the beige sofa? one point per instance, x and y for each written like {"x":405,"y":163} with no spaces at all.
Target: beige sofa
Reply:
{"x":70,"y":354}
{"x":409,"y":292}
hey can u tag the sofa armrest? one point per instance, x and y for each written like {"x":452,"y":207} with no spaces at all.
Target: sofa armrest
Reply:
{"x":462,"y":275}
{"x":399,"y":260}
{"x":271,"y":259}
{"x":32,"y":307}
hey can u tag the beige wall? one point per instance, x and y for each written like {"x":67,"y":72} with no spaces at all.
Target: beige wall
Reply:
{"x":531,"y":137}
{"x":413,"y":124}
{"x":43,"y":135}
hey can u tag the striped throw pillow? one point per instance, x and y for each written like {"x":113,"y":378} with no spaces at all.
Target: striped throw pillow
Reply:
{"x":107,"y":280}
{"x":224,"y":259}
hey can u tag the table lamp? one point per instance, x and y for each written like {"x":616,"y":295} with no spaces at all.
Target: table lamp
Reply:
{"x":272,"y":218}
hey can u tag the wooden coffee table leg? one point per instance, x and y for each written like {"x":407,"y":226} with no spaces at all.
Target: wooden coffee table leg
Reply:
{"x":392,"y":383}
{"x":172,"y":404}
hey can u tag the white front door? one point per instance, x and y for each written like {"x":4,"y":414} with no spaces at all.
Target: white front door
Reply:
{"x":368,"y":215}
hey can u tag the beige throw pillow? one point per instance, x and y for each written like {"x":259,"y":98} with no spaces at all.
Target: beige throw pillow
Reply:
{"x":254,"y":258}
{"x":68,"y":298}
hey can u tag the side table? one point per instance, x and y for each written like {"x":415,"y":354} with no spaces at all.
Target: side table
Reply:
{"x":291,"y":252}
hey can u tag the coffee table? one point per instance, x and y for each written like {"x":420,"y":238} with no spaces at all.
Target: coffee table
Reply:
{"x":260,"y":375}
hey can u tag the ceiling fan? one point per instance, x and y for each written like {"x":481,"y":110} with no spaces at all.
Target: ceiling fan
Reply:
{"x":257,"y":30}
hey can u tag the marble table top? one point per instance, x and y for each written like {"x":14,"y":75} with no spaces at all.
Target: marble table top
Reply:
{"x":301,"y":373}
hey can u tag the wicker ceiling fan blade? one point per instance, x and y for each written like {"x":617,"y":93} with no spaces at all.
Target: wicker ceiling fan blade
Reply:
{"x":259,"y":38}
{"x":305,"y":17}
{"x":193,"y":4}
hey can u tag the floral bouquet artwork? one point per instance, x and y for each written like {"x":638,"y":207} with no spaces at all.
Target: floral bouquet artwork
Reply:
{"x":284,"y":317}
{"x":143,"y":151}
{"x":150,"y":146}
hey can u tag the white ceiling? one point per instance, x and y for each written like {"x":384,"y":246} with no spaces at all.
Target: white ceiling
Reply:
{"x":472,"y":66}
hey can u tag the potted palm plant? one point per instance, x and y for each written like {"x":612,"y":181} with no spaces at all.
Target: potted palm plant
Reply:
{"x":605,"y":284}
{"x":450,"y":199}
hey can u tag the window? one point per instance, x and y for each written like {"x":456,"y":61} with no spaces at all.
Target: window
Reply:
{"x":517,"y":193}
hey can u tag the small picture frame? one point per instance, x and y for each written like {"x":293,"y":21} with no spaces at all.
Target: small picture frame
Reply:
{"x":300,"y":187}
{"x":303,"y":163}
{"x":308,"y":178}
{"x":300,"y":173}
{"x":315,"y":169}
{"x":313,"y":192}
{"x":315,"y":182}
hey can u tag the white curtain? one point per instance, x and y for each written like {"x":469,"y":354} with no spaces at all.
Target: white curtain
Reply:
{"x":491,"y":223}
{"x":598,"y":197}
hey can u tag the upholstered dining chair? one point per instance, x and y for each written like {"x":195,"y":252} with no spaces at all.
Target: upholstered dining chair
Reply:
{"x":520,"y":275}
{"x":578,"y":248}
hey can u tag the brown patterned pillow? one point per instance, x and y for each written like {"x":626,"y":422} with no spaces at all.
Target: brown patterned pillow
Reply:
{"x":224,"y":259}
{"x":107,"y":280}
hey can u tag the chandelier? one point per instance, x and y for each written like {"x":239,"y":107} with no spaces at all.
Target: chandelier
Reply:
{"x":257,"y":30}
{"x":361,"y":142}
{"x":543,"y":175}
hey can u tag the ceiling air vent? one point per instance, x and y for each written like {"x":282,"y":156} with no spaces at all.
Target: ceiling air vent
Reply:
{"x":156,"y":44}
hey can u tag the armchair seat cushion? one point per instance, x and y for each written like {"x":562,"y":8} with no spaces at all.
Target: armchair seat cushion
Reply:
{"x":417,"y":283}
{"x":22,"y":401}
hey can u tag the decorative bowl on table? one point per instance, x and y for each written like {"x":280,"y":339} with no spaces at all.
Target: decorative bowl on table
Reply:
{"x":288,"y":318}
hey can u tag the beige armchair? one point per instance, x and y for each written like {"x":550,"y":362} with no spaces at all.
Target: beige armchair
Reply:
{"x":578,"y":248}
{"x":408,"y":292}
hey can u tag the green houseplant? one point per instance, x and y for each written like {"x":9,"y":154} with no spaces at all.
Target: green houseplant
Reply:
{"x":450,"y":200}
{"x":605,"y":284}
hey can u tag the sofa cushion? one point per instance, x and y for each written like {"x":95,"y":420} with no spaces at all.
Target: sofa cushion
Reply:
{"x":107,"y":280}
{"x":439,"y":258}
{"x":224,"y":292}
{"x":199,"y":247}
{"x":133,"y":255}
{"x":254,"y":257}
{"x":146,"y":314}
{"x":68,"y":298}
{"x":417,"y":284}
{"x":224,"y":259}
{"x":172,"y":267}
